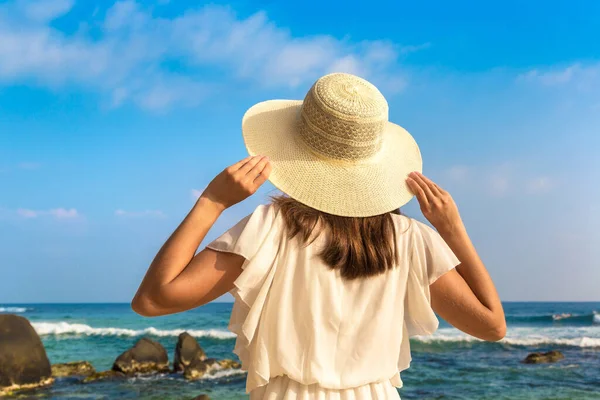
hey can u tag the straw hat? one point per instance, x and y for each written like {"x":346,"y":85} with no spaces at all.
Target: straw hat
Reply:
{"x":335,"y":151}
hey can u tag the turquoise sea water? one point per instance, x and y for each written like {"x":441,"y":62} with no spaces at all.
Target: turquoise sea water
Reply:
{"x":446,"y":365}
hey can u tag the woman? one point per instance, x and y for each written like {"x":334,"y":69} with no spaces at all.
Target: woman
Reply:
{"x":330,"y":281}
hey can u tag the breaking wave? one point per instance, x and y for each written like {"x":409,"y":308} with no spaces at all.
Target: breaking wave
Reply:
{"x":561,"y":319}
{"x":65,"y":328}
{"x":14,"y":309}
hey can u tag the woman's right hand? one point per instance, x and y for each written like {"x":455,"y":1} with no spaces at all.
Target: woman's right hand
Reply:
{"x":238,"y":181}
{"x":436,"y":204}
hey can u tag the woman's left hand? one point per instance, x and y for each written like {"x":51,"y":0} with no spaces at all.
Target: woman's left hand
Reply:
{"x":238,"y":182}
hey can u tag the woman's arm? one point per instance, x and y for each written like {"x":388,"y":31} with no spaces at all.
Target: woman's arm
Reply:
{"x":465,"y":296}
{"x":177,"y":280}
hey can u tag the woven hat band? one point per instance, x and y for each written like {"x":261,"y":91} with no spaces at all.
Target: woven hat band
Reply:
{"x":335,"y":134}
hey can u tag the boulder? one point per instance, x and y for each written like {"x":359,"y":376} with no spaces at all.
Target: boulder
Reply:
{"x":186,"y":350}
{"x":227,"y":363}
{"x":198,"y":368}
{"x":192,"y":360}
{"x":23,"y":360}
{"x":537,"y":358}
{"x":202,"y":397}
{"x":104,"y":375}
{"x":75,"y":368}
{"x":146,"y":356}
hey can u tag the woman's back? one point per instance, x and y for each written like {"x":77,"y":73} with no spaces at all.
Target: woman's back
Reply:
{"x":296,"y":316}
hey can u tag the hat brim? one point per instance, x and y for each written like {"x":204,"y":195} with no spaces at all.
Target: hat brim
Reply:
{"x":368,"y":188}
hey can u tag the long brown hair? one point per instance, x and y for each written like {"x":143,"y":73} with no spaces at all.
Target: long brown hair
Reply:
{"x":357,"y":246}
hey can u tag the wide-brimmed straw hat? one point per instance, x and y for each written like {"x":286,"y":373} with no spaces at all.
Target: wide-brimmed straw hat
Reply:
{"x":335,"y":151}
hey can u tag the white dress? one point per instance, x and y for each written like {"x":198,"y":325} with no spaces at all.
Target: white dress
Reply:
{"x":304,"y":333}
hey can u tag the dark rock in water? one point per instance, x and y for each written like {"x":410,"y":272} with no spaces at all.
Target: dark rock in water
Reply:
{"x":192,"y":360}
{"x":23,"y":360}
{"x":537,"y":358}
{"x":146,"y":356}
{"x":227,"y":363}
{"x":202,"y":397}
{"x":76,"y":368}
{"x":187,"y":349}
{"x":104,"y":375}
{"x":198,"y":368}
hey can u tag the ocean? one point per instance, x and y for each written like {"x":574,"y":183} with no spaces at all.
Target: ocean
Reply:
{"x":446,"y":365}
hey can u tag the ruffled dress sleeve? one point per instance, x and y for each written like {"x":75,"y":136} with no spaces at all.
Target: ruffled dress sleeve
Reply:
{"x":430,"y":258}
{"x":257,"y":238}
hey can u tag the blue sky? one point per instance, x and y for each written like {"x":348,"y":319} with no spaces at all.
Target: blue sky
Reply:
{"x":114,"y":115}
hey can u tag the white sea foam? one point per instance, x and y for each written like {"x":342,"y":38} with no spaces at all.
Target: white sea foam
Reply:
{"x":519,"y":336}
{"x":13,"y":309}
{"x":534,"y":341}
{"x":576,"y":337}
{"x":222,"y":373}
{"x":153,"y":377}
{"x":212,"y":375}
{"x":65,"y":328}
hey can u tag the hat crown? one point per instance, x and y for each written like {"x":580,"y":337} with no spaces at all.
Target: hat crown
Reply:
{"x":343,"y":117}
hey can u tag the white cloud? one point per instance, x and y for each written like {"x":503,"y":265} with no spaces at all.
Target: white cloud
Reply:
{"x":64,"y":213}
{"x":571,"y":90}
{"x":122,"y":14}
{"x":579,"y":75}
{"x":25,"y":213}
{"x":349,"y":64}
{"x":499,"y":180}
{"x":458,"y":173}
{"x":126,"y":58}
{"x":552,"y":77}
{"x":498,"y":185}
{"x":139,"y":214}
{"x":46,"y":10}
{"x":28,"y":165}
{"x":541,"y":184}
{"x":58,"y":213}
{"x":46,"y":57}
{"x":196,"y":193}
{"x":412,"y":49}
